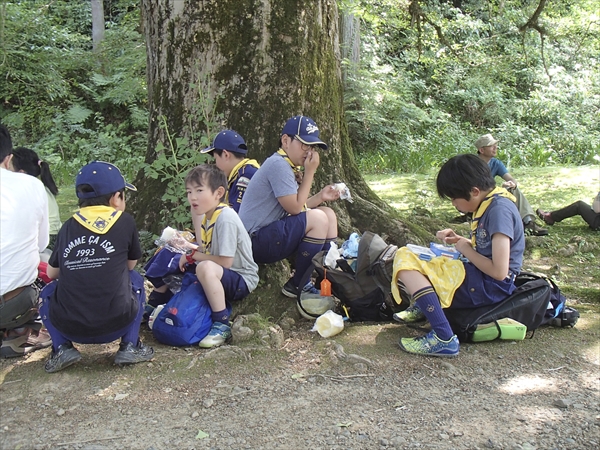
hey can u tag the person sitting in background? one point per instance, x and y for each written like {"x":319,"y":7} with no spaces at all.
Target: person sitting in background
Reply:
{"x":23,"y":235}
{"x":27,"y":161}
{"x":591,"y":214}
{"x":487,"y":149}
{"x":230,"y":153}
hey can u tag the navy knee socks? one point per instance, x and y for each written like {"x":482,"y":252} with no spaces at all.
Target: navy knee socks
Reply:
{"x":309,"y":247}
{"x":428,"y":302}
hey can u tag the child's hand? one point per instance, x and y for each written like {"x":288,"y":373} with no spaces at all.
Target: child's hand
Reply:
{"x":447,"y":236}
{"x":509,"y":185}
{"x":312,"y":161}
{"x":182,"y":262}
{"x":329,"y":193}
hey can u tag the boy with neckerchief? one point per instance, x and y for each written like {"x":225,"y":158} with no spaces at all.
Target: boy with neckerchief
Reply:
{"x":280,"y":215}
{"x":230,"y":153}
{"x":223,"y":259}
{"x":494,"y":254}
{"x":97,"y":296}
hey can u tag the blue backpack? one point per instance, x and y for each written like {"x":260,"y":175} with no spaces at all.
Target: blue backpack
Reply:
{"x":186,"y":318}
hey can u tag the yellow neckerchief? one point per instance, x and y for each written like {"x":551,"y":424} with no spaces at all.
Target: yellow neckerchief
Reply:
{"x":294,"y":167}
{"x":208,"y":226}
{"x":233,"y":175}
{"x":98,"y":219}
{"x":496,"y":192}
{"x":288,"y":160}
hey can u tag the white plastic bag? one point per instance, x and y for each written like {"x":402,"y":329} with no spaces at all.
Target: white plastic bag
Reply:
{"x":332,"y":256}
{"x":596,"y":204}
{"x":329,"y":324}
{"x":344,"y":191}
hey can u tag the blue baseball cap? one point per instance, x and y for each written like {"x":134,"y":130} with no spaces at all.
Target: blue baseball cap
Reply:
{"x":228,"y":140}
{"x":104,"y":178}
{"x":305,"y":130}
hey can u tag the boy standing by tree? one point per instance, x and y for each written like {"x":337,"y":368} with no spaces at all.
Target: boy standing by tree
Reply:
{"x":223,"y":260}
{"x":229,"y":151}
{"x":275,"y":210}
{"x":487,"y":149}
{"x":494,"y":253}
{"x":97,"y":297}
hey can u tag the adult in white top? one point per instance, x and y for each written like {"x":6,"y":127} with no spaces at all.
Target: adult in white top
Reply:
{"x":23,"y":235}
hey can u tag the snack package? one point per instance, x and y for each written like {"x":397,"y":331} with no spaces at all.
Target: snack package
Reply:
{"x":344,"y":191}
{"x":175,"y":240}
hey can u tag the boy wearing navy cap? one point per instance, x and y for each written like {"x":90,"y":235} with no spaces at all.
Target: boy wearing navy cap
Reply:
{"x":230,"y":153}
{"x":97,"y":297}
{"x":276,"y":210}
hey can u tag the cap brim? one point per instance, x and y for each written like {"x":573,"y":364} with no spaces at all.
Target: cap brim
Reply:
{"x":131,"y":187}
{"x":207,"y":150}
{"x":311,"y":140}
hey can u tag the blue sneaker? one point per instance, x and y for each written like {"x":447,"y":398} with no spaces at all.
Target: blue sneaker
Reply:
{"x":219,"y":334}
{"x":431,"y":345}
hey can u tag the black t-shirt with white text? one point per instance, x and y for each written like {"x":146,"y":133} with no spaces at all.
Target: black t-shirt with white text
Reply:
{"x":93,"y":295}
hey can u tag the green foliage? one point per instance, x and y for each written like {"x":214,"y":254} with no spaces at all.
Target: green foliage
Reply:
{"x":174,"y":159}
{"x":70,"y":104}
{"x":433,"y":77}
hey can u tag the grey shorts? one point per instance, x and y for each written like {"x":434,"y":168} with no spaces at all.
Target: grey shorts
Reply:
{"x":19,"y":310}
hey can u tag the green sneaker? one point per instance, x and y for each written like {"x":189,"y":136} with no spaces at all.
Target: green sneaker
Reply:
{"x":431,"y":345}
{"x":410,"y":315}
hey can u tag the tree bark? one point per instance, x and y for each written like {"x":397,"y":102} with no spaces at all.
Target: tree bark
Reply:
{"x":263,"y":61}
{"x":97,"y":23}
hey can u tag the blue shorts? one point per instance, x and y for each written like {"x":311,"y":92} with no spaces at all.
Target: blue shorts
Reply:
{"x":278,"y":240}
{"x":480,"y":289}
{"x":234,"y":286}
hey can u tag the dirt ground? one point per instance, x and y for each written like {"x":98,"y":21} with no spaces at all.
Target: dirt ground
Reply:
{"x":287,"y":387}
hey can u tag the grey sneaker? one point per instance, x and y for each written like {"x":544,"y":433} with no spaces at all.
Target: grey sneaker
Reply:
{"x":411,"y":314}
{"x":132,"y":354}
{"x":64,"y":357}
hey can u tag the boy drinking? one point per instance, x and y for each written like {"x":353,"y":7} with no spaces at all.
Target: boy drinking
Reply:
{"x":276,"y":210}
{"x":494,"y":252}
{"x":97,"y":296}
{"x":223,"y":260}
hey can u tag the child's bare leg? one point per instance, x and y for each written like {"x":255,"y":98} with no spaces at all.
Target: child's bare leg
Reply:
{"x":332,"y":230}
{"x":209,"y":274}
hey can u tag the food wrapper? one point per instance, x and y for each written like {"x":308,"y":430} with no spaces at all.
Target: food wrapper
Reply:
{"x":344,"y":191}
{"x":175,"y":240}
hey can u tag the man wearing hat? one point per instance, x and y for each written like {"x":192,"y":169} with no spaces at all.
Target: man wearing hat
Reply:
{"x":230,"y":153}
{"x":487,"y":149}
{"x":280,"y":216}
{"x":98,"y":297}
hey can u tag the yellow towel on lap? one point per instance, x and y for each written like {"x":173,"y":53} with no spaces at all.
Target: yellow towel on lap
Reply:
{"x":444,"y":274}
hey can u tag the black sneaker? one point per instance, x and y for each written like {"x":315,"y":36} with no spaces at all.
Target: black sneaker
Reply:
{"x":64,"y":357}
{"x":535,"y":229}
{"x":289,"y":290}
{"x":131,"y":354}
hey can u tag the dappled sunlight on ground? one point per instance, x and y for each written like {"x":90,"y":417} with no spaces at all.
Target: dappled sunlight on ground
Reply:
{"x":527,"y":384}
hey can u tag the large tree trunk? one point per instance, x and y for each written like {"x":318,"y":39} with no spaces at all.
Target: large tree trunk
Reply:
{"x":264,"y":61}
